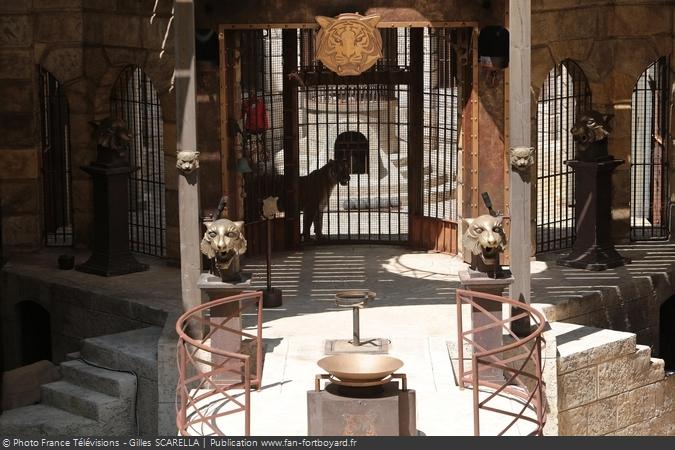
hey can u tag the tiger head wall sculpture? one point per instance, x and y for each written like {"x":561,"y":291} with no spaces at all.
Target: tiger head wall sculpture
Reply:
{"x":485,"y":239}
{"x":113,"y":139}
{"x":223,"y":243}
{"x":590,"y":132}
{"x":348,"y":44}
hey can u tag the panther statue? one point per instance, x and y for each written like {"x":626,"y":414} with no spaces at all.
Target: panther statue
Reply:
{"x":315,"y":190}
{"x":590,"y":133}
{"x":484,"y":238}
{"x":348,"y":44}
{"x":223,"y":243}
{"x":187,"y":161}
{"x":522,"y":157}
{"x":112,"y":140}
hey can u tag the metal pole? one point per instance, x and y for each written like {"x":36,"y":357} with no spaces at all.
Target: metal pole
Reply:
{"x":269,"y":255}
{"x":357,"y":333}
{"x":186,"y":140}
{"x":519,"y":131}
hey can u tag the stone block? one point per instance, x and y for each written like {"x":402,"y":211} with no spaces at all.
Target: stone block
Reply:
{"x":23,"y":231}
{"x":122,"y":56}
{"x":16,"y":95}
{"x":100,"y":5}
{"x":16,"y":31}
{"x":81,"y":129}
{"x":663,"y":425}
{"x":19,"y":197}
{"x":569,"y":24}
{"x":19,"y":164}
{"x":122,"y":31}
{"x":638,"y":20}
{"x":154,"y":33}
{"x":15,"y":6}
{"x":636,"y":406}
{"x":97,"y":64}
{"x":92,"y":32}
{"x":64,"y":63}
{"x":578,"y":388}
{"x":59,"y":27}
{"x":615,"y":376}
{"x":637,"y":429}
{"x":580,"y":346}
{"x":574,"y":422}
{"x":80,"y":98}
{"x":56,"y":4}
{"x":575,"y":49}
{"x":16,"y":63}
{"x":602,"y":416}
{"x":17,"y":130}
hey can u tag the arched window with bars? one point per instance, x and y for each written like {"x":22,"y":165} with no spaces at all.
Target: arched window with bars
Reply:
{"x":135,"y":100}
{"x":564,"y":94}
{"x":649,"y":153}
{"x":56,"y":172}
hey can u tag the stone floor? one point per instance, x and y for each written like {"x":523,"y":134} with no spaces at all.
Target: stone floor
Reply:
{"x":414,"y":309}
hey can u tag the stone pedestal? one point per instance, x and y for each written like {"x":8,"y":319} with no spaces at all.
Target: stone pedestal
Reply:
{"x":212,"y":289}
{"x":381,"y":411}
{"x":110,"y":244}
{"x":593,"y":248}
{"x":490,"y":338}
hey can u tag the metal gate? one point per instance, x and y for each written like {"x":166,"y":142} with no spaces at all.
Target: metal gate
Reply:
{"x":134,"y":100}
{"x":649,"y":211}
{"x":56,"y":174}
{"x":565,"y":93}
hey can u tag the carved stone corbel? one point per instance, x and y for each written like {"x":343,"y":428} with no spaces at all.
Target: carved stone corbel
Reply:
{"x":187,"y":161}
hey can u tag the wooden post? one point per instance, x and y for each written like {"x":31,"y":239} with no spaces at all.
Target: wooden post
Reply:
{"x":415,"y":126}
{"x":519,"y":134}
{"x":186,"y":140}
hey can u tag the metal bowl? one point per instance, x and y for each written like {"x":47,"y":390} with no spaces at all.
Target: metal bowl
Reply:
{"x":356,"y":367}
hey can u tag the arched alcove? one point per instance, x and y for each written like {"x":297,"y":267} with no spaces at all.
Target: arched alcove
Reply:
{"x":564,"y":94}
{"x":353,"y":147}
{"x":134,"y":99}
{"x":34,"y":332}
{"x":649,"y":192}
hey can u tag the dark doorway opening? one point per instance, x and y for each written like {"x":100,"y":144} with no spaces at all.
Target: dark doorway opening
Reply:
{"x":667,"y":334}
{"x":35,"y":332}
{"x":352,"y":146}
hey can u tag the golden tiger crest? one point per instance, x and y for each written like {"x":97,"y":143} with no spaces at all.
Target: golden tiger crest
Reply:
{"x":348,"y":44}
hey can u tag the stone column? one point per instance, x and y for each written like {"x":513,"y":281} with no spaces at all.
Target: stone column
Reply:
{"x":519,"y":132}
{"x":186,"y":140}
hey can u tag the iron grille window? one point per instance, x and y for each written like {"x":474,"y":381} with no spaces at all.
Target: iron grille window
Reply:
{"x":442,"y":92}
{"x":56,"y":174}
{"x":352,"y":146}
{"x":649,"y":209}
{"x":134,"y":100}
{"x":565,"y":94}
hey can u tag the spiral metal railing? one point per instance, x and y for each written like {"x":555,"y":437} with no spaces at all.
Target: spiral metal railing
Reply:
{"x":519,"y":361}
{"x":214,"y":383}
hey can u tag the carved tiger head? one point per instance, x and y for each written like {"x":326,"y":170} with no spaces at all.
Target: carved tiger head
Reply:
{"x":521,"y":157}
{"x":484,"y":236}
{"x":348,"y":44}
{"x":590,"y":127}
{"x":111,"y":134}
{"x":224,"y":242}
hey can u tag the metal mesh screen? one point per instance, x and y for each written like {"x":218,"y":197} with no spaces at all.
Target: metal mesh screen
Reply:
{"x":56,"y":174}
{"x":373,"y":207}
{"x":565,"y":93}
{"x":134,"y":100}
{"x":262,"y":116}
{"x":442,"y":91}
{"x":649,"y":154}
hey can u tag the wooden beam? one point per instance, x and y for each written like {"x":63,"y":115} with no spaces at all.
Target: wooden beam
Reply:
{"x":186,"y":140}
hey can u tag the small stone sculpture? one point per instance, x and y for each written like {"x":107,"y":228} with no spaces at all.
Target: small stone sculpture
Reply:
{"x":270,"y":207}
{"x":223,"y":243}
{"x":187,"y":161}
{"x":112,"y":141}
{"x":590,"y":133}
{"x":522,"y":158}
{"x":484,"y":238}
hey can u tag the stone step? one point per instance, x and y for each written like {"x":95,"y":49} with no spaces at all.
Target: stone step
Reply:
{"x":82,"y":401}
{"x":110,"y":382}
{"x":130,"y":350}
{"x":44,"y":420}
{"x":73,"y":356}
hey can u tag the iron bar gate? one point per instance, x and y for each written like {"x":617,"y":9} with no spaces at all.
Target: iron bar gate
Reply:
{"x":134,"y":100}
{"x":56,"y":173}
{"x":650,"y":103}
{"x":565,"y":94}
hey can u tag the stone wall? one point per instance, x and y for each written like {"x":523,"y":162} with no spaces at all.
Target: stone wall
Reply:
{"x":85,"y":44}
{"x":608,"y":385}
{"x":613,"y":43}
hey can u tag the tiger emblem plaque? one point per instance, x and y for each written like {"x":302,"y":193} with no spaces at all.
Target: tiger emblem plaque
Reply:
{"x":348,"y":44}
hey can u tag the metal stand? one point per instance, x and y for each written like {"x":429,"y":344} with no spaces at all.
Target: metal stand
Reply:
{"x":356,"y":299}
{"x":272,"y":297}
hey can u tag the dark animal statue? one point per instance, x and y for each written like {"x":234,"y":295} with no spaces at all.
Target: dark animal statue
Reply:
{"x":112,"y":141}
{"x":315,"y":190}
{"x":590,"y":133}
